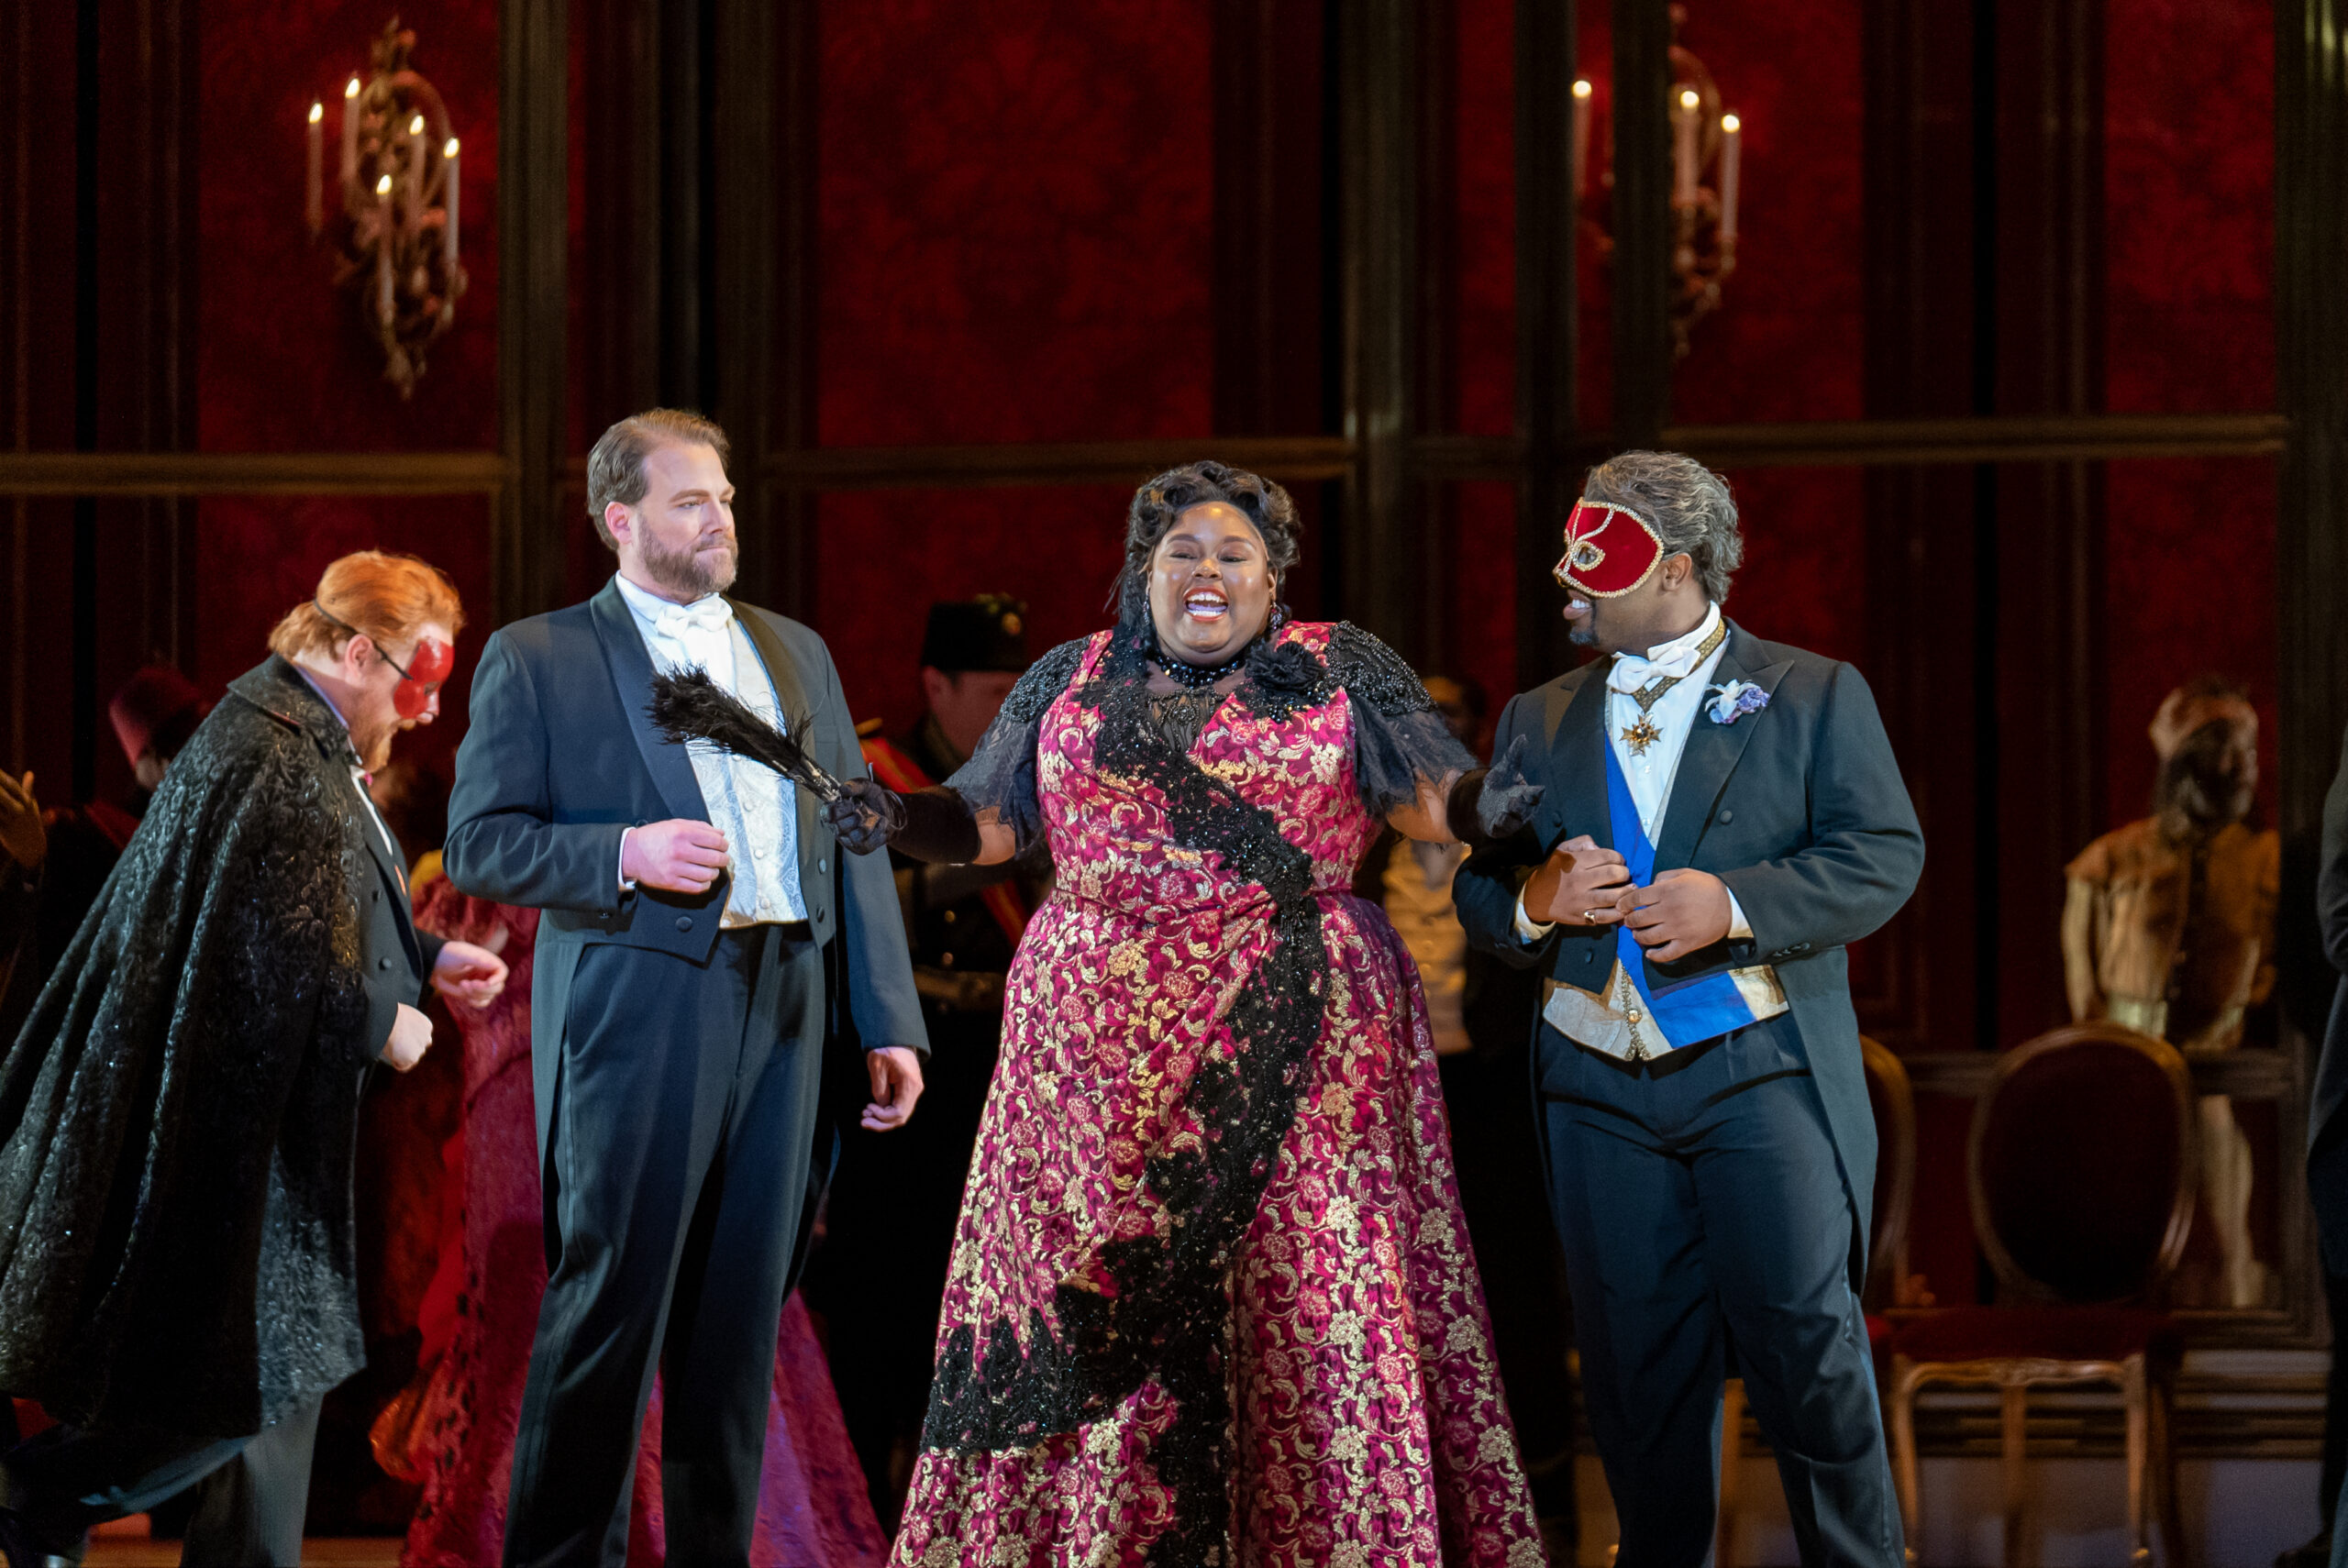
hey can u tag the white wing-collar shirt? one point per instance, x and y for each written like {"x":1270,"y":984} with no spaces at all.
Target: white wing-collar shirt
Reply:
{"x":756,"y":808}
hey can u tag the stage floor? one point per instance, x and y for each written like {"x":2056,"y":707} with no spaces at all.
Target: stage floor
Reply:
{"x":135,"y":1551}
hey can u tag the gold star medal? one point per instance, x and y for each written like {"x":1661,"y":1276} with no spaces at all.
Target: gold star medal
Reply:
{"x":1641,"y":735}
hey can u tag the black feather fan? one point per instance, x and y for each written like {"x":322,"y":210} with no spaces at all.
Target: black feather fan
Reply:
{"x":689,"y":706}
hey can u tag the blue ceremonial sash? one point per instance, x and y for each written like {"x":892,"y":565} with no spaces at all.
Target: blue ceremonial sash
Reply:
{"x":1688,"y":1012}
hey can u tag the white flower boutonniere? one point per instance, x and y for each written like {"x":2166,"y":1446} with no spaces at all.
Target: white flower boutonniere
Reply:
{"x":1734,"y":700}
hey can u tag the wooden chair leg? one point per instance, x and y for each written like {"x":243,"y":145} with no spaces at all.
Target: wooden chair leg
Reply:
{"x":2135,"y":1396}
{"x":2174,"y":1551}
{"x":1732,"y":1451}
{"x":2013,"y":1408}
{"x":1906,"y":1378}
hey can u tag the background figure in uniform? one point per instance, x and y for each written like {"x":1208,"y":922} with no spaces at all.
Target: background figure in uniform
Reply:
{"x":700,"y":936}
{"x":51,"y":876}
{"x":1721,"y":816}
{"x":2169,"y":929}
{"x":1480,"y":1012}
{"x":177,"y":1279}
{"x":880,"y":1274}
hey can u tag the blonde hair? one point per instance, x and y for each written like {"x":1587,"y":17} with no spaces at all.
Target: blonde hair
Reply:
{"x":390,"y":598}
{"x":615,"y":467}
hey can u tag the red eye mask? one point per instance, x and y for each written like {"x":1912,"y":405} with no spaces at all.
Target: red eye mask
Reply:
{"x":1609,"y":550}
{"x":427,"y":667}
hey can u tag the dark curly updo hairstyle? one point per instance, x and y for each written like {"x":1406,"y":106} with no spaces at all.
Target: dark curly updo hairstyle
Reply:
{"x":1156,"y":504}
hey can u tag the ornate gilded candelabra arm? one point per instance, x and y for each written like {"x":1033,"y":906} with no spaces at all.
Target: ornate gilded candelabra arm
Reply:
{"x":395,"y":239}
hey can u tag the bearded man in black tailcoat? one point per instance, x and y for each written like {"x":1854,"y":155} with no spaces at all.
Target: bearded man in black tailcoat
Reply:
{"x":178,"y":1118}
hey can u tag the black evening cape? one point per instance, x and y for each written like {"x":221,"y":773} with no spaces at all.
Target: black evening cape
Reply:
{"x":178,"y":1115}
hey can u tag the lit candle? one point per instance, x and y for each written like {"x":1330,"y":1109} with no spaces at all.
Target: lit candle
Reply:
{"x":1732,"y":150}
{"x":383,"y":249}
{"x":415,"y":173}
{"x":314,"y":206}
{"x":449,"y":200}
{"x":1683,"y":151}
{"x":349,"y":140}
{"x":1577,"y":151}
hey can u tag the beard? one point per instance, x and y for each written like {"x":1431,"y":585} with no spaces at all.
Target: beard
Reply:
{"x":690,"y":571}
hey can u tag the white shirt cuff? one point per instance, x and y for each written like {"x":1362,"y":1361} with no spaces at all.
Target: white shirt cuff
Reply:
{"x":621,"y":868}
{"x":1528,"y":928}
{"x":1739,"y":928}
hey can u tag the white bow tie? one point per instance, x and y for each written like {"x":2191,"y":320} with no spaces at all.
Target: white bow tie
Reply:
{"x":710,"y":613}
{"x":1632,"y":673}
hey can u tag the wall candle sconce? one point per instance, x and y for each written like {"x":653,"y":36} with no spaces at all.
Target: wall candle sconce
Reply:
{"x":1707,"y":160}
{"x":395,"y":239}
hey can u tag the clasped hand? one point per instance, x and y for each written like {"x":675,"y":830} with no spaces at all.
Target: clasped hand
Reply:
{"x":1679,"y":912}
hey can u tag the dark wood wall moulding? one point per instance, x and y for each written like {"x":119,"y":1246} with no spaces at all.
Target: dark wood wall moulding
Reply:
{"x":253,"y":473}
{"x":1300,"y":459}
{"x":2023,"y":439}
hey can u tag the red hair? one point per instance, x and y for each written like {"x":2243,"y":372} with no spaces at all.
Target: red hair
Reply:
{"x":390,"y":598}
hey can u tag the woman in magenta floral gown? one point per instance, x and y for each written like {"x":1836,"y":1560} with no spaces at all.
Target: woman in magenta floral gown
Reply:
{"x":1211,"y":1298}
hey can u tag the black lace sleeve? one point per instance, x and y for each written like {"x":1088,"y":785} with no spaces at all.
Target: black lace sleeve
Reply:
{"x":1399,"y":738}
{"x":1000,"y":775}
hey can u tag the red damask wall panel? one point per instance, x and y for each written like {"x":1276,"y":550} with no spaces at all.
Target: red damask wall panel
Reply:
{"x":1787,"y":341}
{"x":1015,"y":203}
{"x":2189,"y":205}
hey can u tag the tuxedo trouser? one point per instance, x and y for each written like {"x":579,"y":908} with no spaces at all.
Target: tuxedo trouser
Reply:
{"x":676,"y":1167}
{"x":251,"y":1493}
{"x":1702,"y":1207}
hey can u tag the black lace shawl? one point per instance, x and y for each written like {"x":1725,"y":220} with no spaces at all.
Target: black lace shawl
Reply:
{"x":1399,"y":738}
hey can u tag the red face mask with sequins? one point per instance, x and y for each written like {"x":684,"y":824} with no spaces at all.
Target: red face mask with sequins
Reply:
{"x":1609,"y":550}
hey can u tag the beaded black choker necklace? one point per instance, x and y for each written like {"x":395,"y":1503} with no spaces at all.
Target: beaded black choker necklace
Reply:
{"x":1197,"y":676}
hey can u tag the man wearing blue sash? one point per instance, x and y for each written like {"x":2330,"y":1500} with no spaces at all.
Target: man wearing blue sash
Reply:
{"x":1721,"y":816}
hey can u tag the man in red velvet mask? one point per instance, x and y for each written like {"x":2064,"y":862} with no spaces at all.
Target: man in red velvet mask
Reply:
{"x":178,"y":1281}
{"x":1721,"y":816}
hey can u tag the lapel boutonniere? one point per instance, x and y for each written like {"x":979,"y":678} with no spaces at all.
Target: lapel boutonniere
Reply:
{"x":1736,"y":699}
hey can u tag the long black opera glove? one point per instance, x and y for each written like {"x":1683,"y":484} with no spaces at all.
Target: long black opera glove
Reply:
{"x":934,"y":825}
{"x":1492,"y":802}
